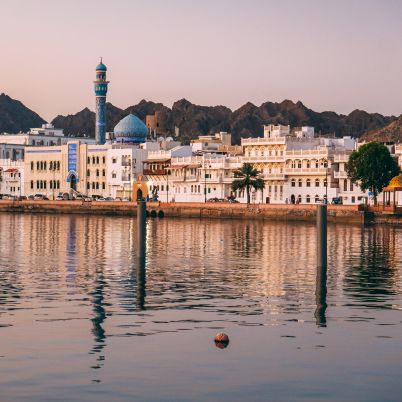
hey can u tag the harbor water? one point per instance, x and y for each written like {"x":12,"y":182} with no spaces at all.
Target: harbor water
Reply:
{"x":83,"y":317}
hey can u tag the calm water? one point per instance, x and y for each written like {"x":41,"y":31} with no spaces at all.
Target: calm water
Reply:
{"x":79,"y":320}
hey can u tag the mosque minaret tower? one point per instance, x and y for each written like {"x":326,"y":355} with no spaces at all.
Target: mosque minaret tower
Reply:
{"x":100,"y":86}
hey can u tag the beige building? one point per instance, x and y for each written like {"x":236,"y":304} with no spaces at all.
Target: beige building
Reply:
{"x":69,"y":168}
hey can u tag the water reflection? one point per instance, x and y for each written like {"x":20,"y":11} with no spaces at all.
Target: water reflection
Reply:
{"x":73,"y":284}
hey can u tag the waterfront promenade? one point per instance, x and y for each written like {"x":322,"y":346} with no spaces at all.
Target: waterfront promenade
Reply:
{"x":336,"y":213}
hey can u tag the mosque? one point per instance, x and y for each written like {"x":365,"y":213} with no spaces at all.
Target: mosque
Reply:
{"x":129,"y":130}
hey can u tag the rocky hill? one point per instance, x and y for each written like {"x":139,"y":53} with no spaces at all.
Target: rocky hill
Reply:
{"x":193,"y":120}
{"x":15,"y":117}
{"x":391,"y":132}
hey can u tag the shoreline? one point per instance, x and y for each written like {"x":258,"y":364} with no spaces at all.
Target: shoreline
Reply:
{"x":276,"y":212}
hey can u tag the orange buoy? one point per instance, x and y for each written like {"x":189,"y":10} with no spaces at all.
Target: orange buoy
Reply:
{"x":221,"y":340}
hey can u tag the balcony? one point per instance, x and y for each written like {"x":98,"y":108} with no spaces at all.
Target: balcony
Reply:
{"x":155,"y":172}
{"x":340,"y":175}
{"x":126,"y":163}
{"x":264,"y":158}
{"x":263,"y":140}
{"x":306,"y":171}
{"x":274,"y":176}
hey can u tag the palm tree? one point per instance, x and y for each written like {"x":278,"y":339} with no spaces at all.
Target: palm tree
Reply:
{"x":247,"y":177}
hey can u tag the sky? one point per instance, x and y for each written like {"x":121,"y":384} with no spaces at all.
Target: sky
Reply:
{"x":331,"y":55}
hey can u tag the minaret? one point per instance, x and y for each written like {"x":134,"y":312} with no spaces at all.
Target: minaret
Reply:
{"x":100,"y":86}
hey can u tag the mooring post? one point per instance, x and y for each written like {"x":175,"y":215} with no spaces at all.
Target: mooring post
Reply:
{"x":321,"y":278}
{"x":321,"y":236}
{"x":142,"y":227}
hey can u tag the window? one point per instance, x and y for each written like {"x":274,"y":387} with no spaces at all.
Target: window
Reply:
{"x":58,"y":181}
{"x":299,"y":199}
{"x":317,"y":182}
{"x":32,"y":166}
{"x":97,"y":186}
{"x":88,"y":160}
{"x":93,"y":160}
{"x":88,"y":173}
{"x":103,"y":160}
{"x":50,"y":184}
{"x":325,"y":182}
{"x":316,"y":198}
{"x":97,"y":160}
{"x":316,"y":164}
{"x":37,"y":184}
{"x":103,"y":172}
{"x":353,"y":200}
{"x":351,"y":185}
{"x":308,"y":199}
{"x":300,"y":183}
{"x":51,"y":165}
{"x":32,"y":184}
{"x":103,"y":185}
{"x":88,"y":185}
{"x":345,"y":185}
{"x":293,"y":164}
{"x":113,"y":175}
{"x":299,"y":164}
{"x":93,"y":185}
{"x":308,"y":166}
{"x":97,"y":172}
{"x":44,"y":165}
{"x":114,"y":160}
{"x":308,"y":183}
{"x":293,"y":183}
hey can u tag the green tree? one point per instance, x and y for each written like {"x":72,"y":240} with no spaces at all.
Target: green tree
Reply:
{"x":372,"y":167}
{"x":246,"y":178}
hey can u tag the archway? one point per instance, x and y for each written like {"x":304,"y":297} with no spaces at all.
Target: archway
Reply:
{"x":292,"y":199}
{"x":139,"y":194}
{"x":73,"y":182}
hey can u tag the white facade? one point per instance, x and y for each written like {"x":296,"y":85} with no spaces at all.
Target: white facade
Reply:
{"x":123,"y":165}
{"x":47,"y":135}
{"x":12,"y":177}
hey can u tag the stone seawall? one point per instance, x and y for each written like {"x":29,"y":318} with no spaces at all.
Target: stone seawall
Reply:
{"x":336,"y":213}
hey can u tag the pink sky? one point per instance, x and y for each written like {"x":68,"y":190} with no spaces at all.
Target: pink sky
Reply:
{"x":338,"y":55}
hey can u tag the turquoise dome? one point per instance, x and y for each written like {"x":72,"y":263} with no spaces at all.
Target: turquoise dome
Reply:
{"x":130,"y":129}
{"x":101,"y":67}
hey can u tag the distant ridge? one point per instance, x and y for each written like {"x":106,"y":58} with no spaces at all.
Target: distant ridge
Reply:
{"x":16,"y":117}
{"x":194,"y":120}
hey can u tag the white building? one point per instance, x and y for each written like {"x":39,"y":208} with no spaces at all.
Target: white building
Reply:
{"x":46,"y":135}
{"x":12,"y":177}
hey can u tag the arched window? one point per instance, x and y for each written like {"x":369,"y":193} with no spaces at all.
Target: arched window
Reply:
{"x":88,"y":160}
{"x":308,"y":199}
{"x":316,"y":164}
{"x":51,"y":165}
{"x":308,"y":164}
{"x":299,"y":199}
{"x":97,"y":160}
{"x":103,"y":160}
{"x":103,"y":172}
{"x":103,"y":185}
{"x":316,"y":198}
{"x":293,"y":164}
{"x":88,"y":173}
{"x":51,"y":185}
{"x":93,"y":185}
{"x":58,"y":184}
{"x":32,"y":184}
{"x":44,"y":165}
{"x":88,"y":185}
{"x":93,"y":160}
{"x":299,"y":164}
{"x":97,"y":172}
{"x":58,"y":165}
{"x":37,"y":184}
{"x":308,"y":183}
{"x":32,"y":165}
{"x":317,"y":182}
{"x":37,"y":165}
{"x":300,"y":182}
{"x":97,"y":186}
{"x":293,"y":183}
{"x":54,"y":184}
{"x":345,"y":185}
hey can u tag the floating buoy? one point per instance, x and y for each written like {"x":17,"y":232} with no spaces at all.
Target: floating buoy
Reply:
{"x":221,"y":340}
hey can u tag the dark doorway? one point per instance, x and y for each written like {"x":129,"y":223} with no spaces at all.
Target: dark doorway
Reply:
{"x":73,"y":182}
{"x":139,"y":194}
{"x":292,"y":199}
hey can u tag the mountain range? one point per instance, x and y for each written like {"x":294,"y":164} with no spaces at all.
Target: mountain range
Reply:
{"x":193,"y":120}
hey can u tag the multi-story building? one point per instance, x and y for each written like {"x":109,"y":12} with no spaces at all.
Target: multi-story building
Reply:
{"x":11,"y":177}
